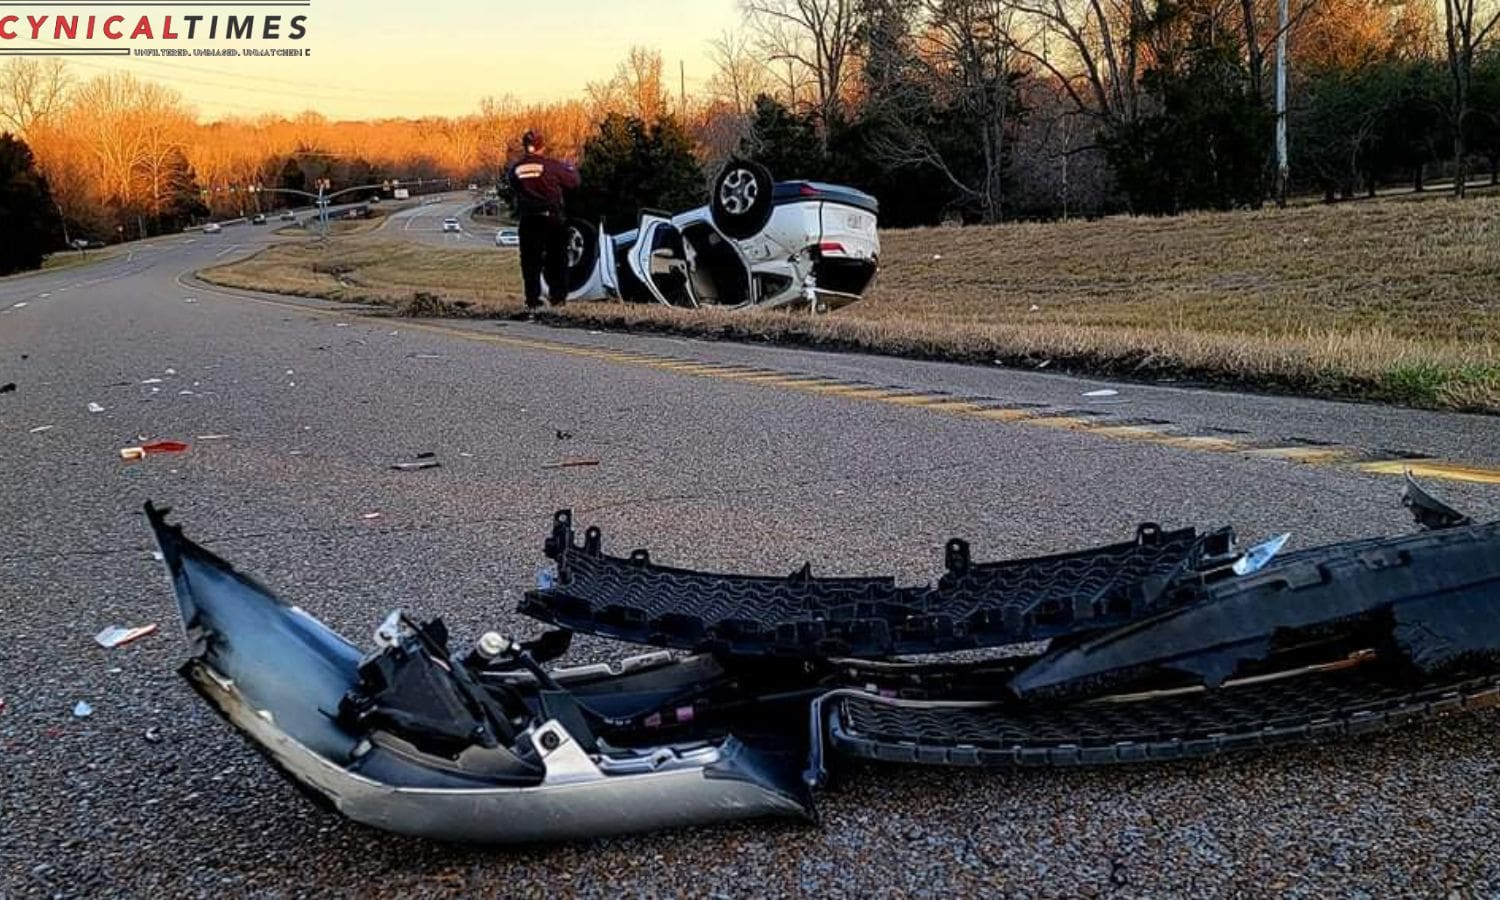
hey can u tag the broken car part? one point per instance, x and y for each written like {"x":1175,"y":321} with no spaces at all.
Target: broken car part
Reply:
{"x":410,"y":740}
{"x":1174,"y":645}
{"x":974,"y":605}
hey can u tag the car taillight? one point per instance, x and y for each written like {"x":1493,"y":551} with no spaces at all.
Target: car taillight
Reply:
{"x":830,"y":247}
{"x":808,"y":190}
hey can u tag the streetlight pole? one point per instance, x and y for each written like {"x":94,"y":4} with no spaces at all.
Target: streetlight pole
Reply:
{"x":1283,"y":166}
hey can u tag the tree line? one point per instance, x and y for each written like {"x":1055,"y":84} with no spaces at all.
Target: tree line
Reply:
{"x":946,"y":110}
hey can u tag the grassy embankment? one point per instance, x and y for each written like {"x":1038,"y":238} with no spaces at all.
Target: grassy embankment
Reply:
{"x":1389,"y":300}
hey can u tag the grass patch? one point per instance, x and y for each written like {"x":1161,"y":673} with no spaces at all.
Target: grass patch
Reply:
{"x":69,"y":259}
{"x":373,"y":270}
{"x":1381,"y":300}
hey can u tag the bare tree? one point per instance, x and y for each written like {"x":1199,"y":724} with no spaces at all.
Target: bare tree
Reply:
{"x":739,"y":75}
{"x":1467,"y":26}
{"x":638,"y":88}
{"x":31,"y":91}
{"x":816,"y":36}
{"x":964,"y":61}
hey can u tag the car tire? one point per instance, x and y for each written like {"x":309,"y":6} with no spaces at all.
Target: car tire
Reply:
{"x":741,"y":202}
{"x":583,"y":252}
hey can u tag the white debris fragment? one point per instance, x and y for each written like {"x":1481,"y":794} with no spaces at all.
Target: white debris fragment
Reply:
{"x":21,"y":305}
{"x":41,"y":428}
{"x":370,"y":515}
{"x":152,"y":381}
{"x":82,"y":710}
{"x":1102,"y":393}
{"x":115,"y":636}
{"x":1034,"y":308}
{"x":95,"y":408}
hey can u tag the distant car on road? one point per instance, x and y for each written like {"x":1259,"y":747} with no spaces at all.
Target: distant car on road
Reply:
{"x":212,"y":228}
{"x":374,"y":200}
{"x":288,"y":216}
{"x":507,"y":237}
{"x":451,"y":224}
{"x":258,"y":219}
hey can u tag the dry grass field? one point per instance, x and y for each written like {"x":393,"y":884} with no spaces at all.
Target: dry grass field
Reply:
{"x":1393,"y":300}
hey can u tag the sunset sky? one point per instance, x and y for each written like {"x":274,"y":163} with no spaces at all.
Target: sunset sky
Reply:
{"x":377,"y":58}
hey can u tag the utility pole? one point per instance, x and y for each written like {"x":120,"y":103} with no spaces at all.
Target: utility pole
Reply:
{"x":1283,"y":167}
{"x":682,"y":89}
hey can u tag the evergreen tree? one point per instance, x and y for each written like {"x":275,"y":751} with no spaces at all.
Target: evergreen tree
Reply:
{"x":785,"y":142}
{"x":1205,"y":144}
{"x":28,"y":217}
{"x":629,"y":165}
{"x":183,"y":197}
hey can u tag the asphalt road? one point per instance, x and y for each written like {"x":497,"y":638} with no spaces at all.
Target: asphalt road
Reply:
{"x":309,"y":407}
{"x":424,"y":224}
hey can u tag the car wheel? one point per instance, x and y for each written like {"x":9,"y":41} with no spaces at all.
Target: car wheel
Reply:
{"x":742,"y":201}
{"x":582,"y":250}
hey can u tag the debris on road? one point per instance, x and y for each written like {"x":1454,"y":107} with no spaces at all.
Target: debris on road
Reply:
{"x":1102,"y":393}
{"x":189,"y":299}
{"x":213,"y":437}
{"x":564,"y":435}
{"x":571,"y":464}
{"x":141,"y":452}
{"x":82,"y":710}
{"x":116,"y":636}
{"x":95,"y":408}
{"x":41,"y":428}
{"x":420,"y":461}
{"x":370,"y":515}
{"x":8,"y":388}
{"x":152,"y":381}
{"x":1173,"y":644}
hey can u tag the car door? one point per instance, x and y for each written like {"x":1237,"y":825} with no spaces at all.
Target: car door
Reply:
{"x":659,"y":260}
{"x":720,"y":272}
{"x":609,"y":276}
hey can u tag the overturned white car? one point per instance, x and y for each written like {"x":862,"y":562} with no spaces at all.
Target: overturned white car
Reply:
{"x":758,"y":243}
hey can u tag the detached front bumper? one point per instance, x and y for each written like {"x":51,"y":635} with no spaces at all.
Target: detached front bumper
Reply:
{"x":280,"y":677}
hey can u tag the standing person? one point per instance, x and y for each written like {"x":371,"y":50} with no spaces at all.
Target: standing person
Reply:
{"x":538,"y":182}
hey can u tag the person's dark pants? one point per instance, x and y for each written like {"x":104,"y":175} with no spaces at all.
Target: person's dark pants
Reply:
{"x":544,"y":248}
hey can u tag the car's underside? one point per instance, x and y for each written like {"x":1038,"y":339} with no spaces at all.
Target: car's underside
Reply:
{"x":1171,"y":645}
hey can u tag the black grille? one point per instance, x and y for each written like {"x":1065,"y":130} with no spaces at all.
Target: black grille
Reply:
{"x":972,"y":606}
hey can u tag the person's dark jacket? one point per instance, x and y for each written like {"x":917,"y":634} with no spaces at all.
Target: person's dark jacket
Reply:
{"x":537,"y":182}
